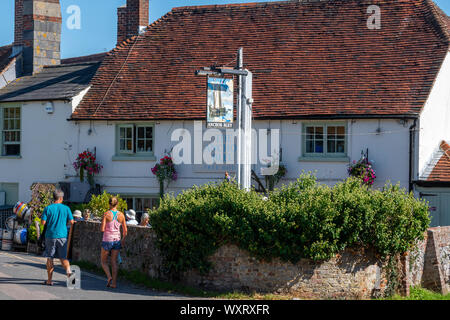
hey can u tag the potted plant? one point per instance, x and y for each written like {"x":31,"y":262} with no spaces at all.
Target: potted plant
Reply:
{"x":362,"y":169}
{"x":164,"y":170}
{"x":34,"y":231}
{"x":86,"y":163}
{"x":41,"y":197}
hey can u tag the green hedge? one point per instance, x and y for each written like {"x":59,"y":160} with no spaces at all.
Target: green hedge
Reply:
{"x":302,"y":220}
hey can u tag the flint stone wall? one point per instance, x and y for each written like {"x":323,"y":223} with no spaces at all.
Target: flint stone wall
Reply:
{"x":351,"y":275}
{"x":139,"y":252}
{"x":429,"y":263}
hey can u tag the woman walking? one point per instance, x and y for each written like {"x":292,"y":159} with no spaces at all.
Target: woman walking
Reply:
{"x":112,"y":242}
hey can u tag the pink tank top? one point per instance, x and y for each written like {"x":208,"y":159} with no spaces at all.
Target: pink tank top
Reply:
{"x":112,"y":229}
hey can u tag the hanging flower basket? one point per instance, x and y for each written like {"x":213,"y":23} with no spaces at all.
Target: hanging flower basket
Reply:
{"x":86,"y":163}
{"x":362,"y":169}
{"x":164,"y":170}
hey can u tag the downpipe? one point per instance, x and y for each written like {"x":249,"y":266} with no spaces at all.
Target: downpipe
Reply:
{"x":412,"y":140}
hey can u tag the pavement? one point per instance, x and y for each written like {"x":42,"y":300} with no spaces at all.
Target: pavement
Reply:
{"x":22,"y":276}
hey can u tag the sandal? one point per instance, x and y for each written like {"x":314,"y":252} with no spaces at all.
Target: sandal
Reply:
{"x":108,"y":285}
{"x":48,"y":284}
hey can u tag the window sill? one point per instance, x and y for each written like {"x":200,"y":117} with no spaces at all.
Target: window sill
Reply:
{"x":323,"y":159}
{"x":10,"y":157}
{"x":133,"y":158}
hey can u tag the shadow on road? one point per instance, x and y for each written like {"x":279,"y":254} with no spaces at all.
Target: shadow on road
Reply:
{"x":33,"y":282}
{"x":88,"y":282}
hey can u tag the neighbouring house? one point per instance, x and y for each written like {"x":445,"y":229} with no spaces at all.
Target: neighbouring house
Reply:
{"x":434,"y":185}
{"x":40,"y":92}
{"x":332,"y":84}
{"x":37,"y":139}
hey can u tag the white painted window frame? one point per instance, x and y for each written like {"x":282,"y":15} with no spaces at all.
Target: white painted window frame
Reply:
{"x":325,"y":154}
{"x":3,"y":143}
{"x":144,"y":139}
{"x":125,"y":126}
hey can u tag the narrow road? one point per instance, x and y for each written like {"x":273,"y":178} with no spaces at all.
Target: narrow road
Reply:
{"x":22,"y":276}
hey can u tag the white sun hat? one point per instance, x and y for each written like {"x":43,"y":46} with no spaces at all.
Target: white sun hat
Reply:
{"x":77,"y":214}
{"x":131,"y":214}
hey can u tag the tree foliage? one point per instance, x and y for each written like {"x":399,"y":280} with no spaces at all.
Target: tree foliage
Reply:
{"x":100,"y":204}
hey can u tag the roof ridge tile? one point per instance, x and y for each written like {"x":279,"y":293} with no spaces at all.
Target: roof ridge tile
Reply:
{"x":438,"y":18}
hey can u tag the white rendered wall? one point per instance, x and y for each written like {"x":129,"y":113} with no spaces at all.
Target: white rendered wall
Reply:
{"x":435,"y":117}
{"x":389,"y":150}
{"x":43,"y":144}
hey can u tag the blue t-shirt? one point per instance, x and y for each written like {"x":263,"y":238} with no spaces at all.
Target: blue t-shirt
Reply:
{"x":57,"y":215}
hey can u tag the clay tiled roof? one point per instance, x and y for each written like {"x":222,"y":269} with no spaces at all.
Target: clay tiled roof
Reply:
{"x":309,"y":59}
{"x":441,"y":171}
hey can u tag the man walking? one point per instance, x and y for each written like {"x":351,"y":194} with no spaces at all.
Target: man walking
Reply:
{"x":55,"y":217}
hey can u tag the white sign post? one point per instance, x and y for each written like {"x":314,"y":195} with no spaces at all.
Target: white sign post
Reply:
{"x":244,"y":117}
{"x":246,"y":162}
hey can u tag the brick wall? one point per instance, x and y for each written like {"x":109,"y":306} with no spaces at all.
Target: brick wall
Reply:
{"x":122,"y":30}
{"x":351,"y":275}
{"x":138,"y":15}
{"x":429,"y":263}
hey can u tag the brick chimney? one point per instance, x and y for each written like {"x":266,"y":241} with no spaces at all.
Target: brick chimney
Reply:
{"x":41,"y":33}
{"x":18,"y":22}
{"x":131,"y":19}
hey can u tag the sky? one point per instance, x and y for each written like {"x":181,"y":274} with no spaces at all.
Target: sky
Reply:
{"x":98,"y":23}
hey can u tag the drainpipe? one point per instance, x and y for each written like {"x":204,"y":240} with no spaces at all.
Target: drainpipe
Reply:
{"x":412,"y":142}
